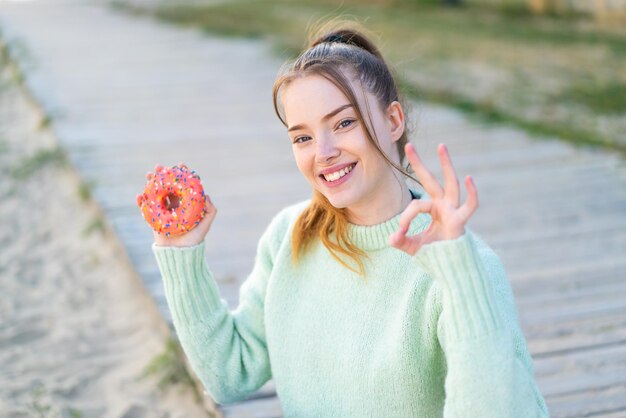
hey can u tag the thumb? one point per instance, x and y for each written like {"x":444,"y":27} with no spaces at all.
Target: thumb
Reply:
{"x":398,"y":238}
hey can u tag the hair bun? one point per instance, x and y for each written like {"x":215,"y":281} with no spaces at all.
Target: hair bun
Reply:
{"x":344,"y":34}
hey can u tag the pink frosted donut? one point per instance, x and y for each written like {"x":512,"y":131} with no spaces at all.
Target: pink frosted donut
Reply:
{"x":173,"y":201}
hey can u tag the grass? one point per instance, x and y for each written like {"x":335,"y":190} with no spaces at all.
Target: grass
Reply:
{"x":40,"y":408}
{"x":97,"y":224}
{"x":46,"y":121}
{"x":607,"y":98}
{"x":486,"y":111}
{"x":540,"y":73}
{"x":85,"y":189}
{"x":169,"y":367}
{"x":44,"y":157}
{"x":13,"y":52}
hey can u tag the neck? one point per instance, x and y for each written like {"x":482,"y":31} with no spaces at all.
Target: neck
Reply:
{"x":382,"y":208}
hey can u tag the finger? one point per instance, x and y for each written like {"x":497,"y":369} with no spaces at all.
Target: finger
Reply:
{"x":399,"y":239}
{"x":429,"y":181}
{"x":140,"y":198}
{"x":412,"y":210}
{"x":451,"y":182}
{"x":410,"y":244}
{"x":471,"y":202}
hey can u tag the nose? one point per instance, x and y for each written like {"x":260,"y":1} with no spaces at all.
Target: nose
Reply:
{"x":326,"y":150}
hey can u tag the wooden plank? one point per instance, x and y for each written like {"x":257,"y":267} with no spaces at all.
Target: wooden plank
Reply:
{"x":256,"y":408}
{"x":608,"y":402}
{"x":569,"y":382}
{"x":549,"y":339}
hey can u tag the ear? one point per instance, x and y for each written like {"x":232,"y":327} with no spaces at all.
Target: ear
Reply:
{"x":395,"y":120}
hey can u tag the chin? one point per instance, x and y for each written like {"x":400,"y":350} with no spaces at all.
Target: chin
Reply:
{"x":338,"y":202}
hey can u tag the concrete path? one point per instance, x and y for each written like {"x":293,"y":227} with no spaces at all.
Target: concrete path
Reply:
{"x":127,"y":92}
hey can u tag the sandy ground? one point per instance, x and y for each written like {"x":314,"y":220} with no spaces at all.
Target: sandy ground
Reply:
{"x":77,"y":327}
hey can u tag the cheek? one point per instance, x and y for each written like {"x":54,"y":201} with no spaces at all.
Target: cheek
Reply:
{"x":367,"y":152}
{"x":302,"y":162}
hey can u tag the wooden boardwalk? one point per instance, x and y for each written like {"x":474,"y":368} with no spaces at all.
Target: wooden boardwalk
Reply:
{"x":127,"y":92}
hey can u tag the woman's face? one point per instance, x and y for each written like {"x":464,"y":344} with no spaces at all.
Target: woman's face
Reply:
{"x":330,"y":144}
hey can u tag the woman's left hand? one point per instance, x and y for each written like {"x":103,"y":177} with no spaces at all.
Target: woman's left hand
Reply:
{"x":448,"y":215}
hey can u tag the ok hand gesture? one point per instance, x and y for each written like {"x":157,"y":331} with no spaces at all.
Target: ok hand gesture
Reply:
{"x":448,"y":215}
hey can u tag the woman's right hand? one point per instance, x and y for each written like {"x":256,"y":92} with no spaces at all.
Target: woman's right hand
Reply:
{"x":192,"y":237}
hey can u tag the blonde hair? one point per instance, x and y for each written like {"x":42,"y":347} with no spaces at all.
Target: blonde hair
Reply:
{"x":340,"y":44}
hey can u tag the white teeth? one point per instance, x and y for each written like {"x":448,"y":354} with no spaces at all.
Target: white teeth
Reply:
{"x":338,"y":174}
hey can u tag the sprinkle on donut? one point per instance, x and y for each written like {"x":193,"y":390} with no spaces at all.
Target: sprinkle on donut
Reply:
{"x":173,"y":201}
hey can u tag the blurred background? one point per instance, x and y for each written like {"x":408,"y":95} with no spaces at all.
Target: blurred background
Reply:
{"x":529,"y":96}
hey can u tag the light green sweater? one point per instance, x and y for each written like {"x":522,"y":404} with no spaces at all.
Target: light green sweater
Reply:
{"x":432,"y":335}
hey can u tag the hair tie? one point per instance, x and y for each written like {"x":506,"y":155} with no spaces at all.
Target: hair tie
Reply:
{"x":339,"y":39}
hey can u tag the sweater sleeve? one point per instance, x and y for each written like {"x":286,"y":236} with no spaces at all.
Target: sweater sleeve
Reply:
{"x":489,"y":368}
{"x":227,"y":350}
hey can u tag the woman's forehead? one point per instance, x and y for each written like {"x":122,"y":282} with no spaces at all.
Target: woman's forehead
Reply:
{"x":312,"y":85}
{"x":315,"y":96}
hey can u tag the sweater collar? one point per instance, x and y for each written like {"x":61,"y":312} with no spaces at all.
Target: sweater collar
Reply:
{"x":376,"y":237}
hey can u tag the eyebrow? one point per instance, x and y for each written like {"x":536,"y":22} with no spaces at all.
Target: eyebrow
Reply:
{"x":330,"y":115}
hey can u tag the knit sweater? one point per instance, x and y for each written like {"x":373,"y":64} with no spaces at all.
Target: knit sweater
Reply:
{"x":431,"y":335}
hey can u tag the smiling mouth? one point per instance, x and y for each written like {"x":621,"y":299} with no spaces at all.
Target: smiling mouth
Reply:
{"x":338,"y":174}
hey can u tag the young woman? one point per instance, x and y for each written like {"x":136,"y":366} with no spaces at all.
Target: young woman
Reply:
{"x":370,"y":299}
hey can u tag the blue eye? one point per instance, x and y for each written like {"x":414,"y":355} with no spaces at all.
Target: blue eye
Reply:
{"x":341,"y":124}
{"x":297,"y":140}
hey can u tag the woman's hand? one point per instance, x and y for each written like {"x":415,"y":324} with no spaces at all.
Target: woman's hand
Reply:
{"x":192,"y":237}
{"x":448,"y":215}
